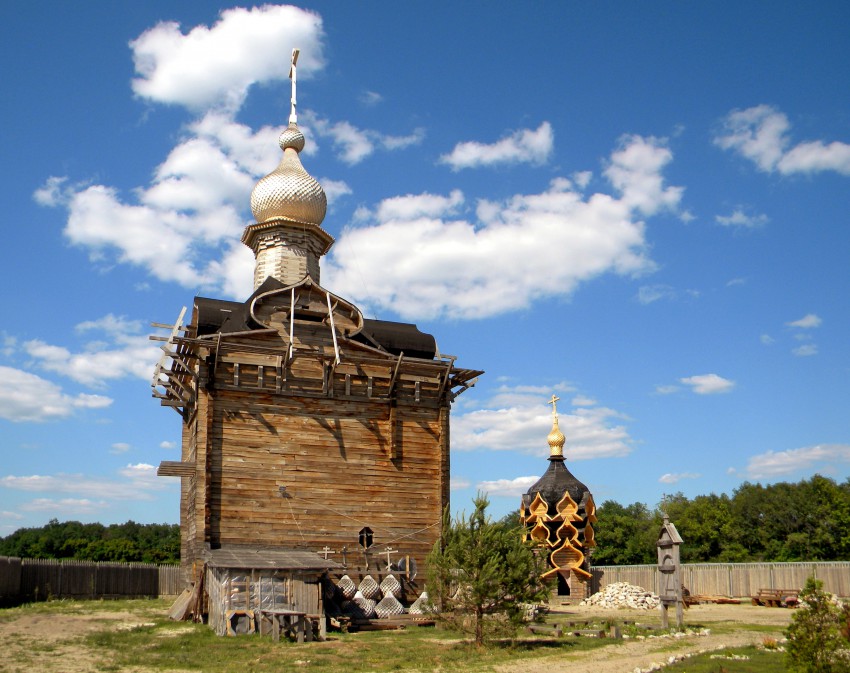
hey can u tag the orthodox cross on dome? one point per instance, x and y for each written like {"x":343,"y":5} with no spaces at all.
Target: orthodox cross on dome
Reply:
{"x":293,"y":118}
{"x":554,"y":408}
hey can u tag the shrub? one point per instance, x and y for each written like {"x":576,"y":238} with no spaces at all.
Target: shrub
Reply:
{"x":815,"y":642}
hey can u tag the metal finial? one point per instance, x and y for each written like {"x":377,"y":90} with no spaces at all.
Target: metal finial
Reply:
{"x":293,"y":118}
{"x":554,"y":408}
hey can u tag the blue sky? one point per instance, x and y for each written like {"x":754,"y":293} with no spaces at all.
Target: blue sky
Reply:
{"x":642,"y":208}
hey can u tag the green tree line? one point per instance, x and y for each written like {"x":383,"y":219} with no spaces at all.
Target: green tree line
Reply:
{"x":126,"y":542}
{"x":805,"y":521}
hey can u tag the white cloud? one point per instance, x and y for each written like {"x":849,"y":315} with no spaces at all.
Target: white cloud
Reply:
{"x":666,"y":389}
{"x":370,"y":98}
{"x":167,"y":445}
{"x":740,"y":219}
{"x":52,"y":193}
{"x":582,"y":178}
{"x":517,"y":419}
{"x":635,"y":172}
{"x":459,"y":483}
{"x":521,"y":146}
{"x":760,"y":134}
{"x":125,"y":353}
{"x":25,"y":397}
{"x":417,"y":256}
{"x":334,"y":189}
{"x":5,"y":514}
{"x":766,"y":339}
{"x":215,"y":66}
{"x":806,"y":350}
{"x":67,"y":506}
{"x":353,"y":144}
{"x":134,"y":482}
{"x":648,"y":294}
{"x":708,"y":384}
{"x":809,"y":321}
{"x":778,"y":463}
{"x":119,"y":448}
{"x":671,"y":478}
{"x":513,"y":488}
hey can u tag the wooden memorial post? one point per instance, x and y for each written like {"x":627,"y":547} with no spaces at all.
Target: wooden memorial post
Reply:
{"x":670,"y":586}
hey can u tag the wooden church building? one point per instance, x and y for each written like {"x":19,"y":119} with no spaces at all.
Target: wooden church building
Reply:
{"x":305,"y":426}
{"x":558,"y":514}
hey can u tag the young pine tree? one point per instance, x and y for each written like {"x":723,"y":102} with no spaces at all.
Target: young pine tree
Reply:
{"x":481,"y":575}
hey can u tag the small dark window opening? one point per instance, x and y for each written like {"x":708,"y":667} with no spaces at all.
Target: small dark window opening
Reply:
{"x":563,"y":586}
{"x":365,"y":538}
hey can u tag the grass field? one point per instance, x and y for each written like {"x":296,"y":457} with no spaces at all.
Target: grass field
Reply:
{"x":137,"y":637}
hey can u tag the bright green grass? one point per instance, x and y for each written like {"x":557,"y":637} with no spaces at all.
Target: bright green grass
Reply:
{"x":760,"y":661}
{"x":195,"y":647}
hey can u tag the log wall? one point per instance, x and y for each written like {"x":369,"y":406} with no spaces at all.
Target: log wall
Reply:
{"x":333,"y":460}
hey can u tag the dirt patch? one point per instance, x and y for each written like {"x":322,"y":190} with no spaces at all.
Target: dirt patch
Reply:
{"x":631,"y":654}
{"x":55,"y":643}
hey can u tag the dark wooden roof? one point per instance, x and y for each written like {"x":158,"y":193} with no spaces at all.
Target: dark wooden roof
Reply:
{"x":225,"y":317}
{"x":556,"y":481}
{"x":270,"y":558}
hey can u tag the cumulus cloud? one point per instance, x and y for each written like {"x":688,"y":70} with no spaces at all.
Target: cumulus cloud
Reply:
{"x":648,"y":294}
{"x":808,"y":321}
{"x":674,"y":478}
{"x":422,"y":257}
{"x":761,"y":134}
{"x":165,"y":444}
{"x":68,"y":506}
{"x":353,"y":144}
{"x":708,"y":384}
{"x":522,"y":146}
{"x":451,"y":257}
{"x":738,"y":218}
{"x":133,"y":482}
{"x":123,"y":351}
{"x":459,"y":483}
{"x":215,"y":66}
{"x":190,"y":214}
{"x":182,"y":226}
{"x":515,"y":419}
{"x":773,"y":464}
{"x":25,"y":397}
{"x":513,"y":488}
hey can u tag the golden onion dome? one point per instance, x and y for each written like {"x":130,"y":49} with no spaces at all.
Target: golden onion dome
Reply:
{"x":556,"y":440}
{"x":289,"y":192}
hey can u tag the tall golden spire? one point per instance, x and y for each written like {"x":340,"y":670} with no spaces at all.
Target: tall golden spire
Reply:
{"x":289,"y":206}
{"x":556,"y":438}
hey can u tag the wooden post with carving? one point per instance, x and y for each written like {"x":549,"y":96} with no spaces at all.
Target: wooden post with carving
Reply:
{"x":670,"y":584}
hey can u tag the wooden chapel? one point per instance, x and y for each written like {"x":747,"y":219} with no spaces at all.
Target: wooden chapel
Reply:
{"x":310,"y":435}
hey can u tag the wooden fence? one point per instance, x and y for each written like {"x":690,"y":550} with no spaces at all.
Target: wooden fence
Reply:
{"x":43,"y":579}
{"x":735,"y":580}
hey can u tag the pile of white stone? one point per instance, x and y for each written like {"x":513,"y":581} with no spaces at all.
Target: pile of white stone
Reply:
{"x":623,"y":595}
